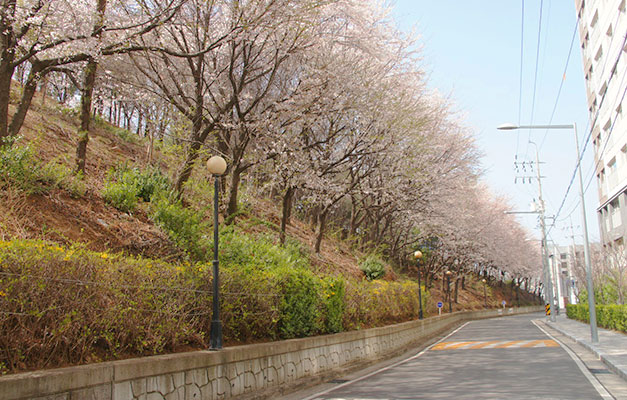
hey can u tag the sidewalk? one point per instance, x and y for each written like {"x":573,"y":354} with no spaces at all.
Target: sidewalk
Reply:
{"x":612,"y":346}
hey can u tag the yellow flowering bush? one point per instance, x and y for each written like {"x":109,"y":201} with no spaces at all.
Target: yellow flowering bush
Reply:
{"x":62,"y":306}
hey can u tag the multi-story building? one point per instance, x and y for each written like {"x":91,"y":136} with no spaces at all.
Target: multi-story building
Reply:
{"x":602,"y":30}
{"x":564,"y":262}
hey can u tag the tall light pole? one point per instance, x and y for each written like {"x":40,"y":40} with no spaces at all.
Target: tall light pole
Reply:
{"x":448,"y":290}
{"x":586,"y":244}
{"x":417,"y":256}
{"x":216,"y":166}
{"x":485,"y":296}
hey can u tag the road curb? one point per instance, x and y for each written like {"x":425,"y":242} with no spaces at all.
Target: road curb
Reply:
{"x":614,"y":365}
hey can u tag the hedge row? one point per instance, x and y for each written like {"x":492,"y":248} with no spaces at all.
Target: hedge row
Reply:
{"x":610,"y":316}
{"x":61,"y":306}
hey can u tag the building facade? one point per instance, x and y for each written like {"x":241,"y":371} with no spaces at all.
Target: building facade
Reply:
{"x":602,"y":32}
{"x":564,"y":261}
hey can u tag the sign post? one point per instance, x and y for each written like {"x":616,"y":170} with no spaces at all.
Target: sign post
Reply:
{"x":439,"y":308}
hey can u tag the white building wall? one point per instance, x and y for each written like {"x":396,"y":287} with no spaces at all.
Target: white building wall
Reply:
{"x":603,"y":29}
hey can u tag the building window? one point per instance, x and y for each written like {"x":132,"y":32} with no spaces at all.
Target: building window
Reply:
{"x":599,"y":54}
{"x":595,"y":19}
{"x":615,"y":214}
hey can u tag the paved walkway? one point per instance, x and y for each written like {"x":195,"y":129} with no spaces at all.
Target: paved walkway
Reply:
{"x":612,"y":346}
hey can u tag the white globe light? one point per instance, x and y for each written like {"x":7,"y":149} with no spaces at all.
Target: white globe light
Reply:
{"x":216,"y":165}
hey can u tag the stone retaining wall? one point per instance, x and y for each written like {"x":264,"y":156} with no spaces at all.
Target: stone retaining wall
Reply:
{"x":251,"y":371}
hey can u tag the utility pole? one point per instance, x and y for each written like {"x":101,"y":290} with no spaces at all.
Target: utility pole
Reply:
{"x":586,"y":243}
{"x":545,"y":254}
{"x":546,"y":266}
{"x":572,"y":265}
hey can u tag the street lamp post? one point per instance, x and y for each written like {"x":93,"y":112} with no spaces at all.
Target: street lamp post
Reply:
{"x":517,"y":298}
{"x":586,"y":248}
{"x":216,"y":166}
{"x":485,"y":296}
{"x":448,"y":290}
{"x":418,"y":255}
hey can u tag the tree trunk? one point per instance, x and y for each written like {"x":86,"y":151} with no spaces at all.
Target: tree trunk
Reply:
{"x":320,"y":229}
{"x":6,"y":73}
{"x":42,"y":89}
{"x":7,"y":69}
{"x":85,"y":117}
{"x":456,"y":289}
{"x":353,"y":223}
{"x":139,"y":123}
{"x":27,"y":97}
{"x":287,"y":211}
{"x":87,"y":92}
{"x":186,"y":168}
{"x":149,"y":132}
{"x":236,"y":175}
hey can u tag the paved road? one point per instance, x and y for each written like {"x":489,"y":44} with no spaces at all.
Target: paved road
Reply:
{"x":503,"y":358}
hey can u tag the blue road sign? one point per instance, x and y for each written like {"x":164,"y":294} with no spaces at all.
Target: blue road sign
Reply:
{"x":440,"y":304}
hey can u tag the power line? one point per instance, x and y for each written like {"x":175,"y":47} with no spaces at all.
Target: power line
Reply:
{"x":592,"y":172}
{"x":520,"y":79}
{"x":535,"y":77}
{"x":570,"y":50}
{"x":592,"y":125}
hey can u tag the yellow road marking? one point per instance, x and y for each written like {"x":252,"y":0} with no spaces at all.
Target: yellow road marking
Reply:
{"x":533,"y":343}
{"x":458,"y":345}
{"x":495,"y":344}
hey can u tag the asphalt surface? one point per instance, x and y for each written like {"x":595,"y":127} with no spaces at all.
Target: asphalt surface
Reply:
{"x":502,"y":358}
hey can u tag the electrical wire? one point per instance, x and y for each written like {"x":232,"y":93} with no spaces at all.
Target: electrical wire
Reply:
{"x":535,"y":77}
{"x":520,"y":79}
{"x":591,"y":128}
{"x":559,"y":91}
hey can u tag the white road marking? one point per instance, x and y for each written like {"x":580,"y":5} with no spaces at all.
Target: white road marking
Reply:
{"x":316,"y":396}
{"x":593,"y":380}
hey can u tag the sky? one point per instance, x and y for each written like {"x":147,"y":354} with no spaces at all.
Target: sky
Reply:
{"x":471,"y":51}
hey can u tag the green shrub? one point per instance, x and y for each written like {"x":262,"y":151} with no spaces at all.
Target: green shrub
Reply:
{"x":61,"y":176}
{"x":151,"y":182}
{"x":333,"y":292}
{"x":299,"y":316}
{"x":259,"y":252}
{"x":125,"y":185}
{"x":610,"y":316}
{"x":184,"y":226}
{"x":120,"y":195}
{"x":373,"y":267}
{"x":19,"y":168}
